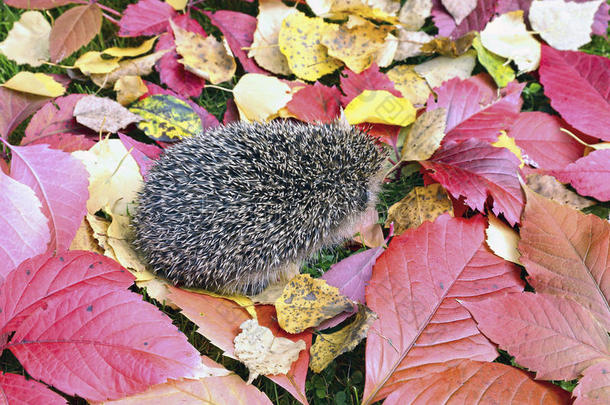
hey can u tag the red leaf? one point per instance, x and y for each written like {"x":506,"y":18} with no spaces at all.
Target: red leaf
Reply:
{"x":538,"y":134}
{"x":97,"y":342}
{"x":352,"y":84}
{"x":476,"y":20}
{"x":15,"y":389}
{"x":414,"y":288}
{"x":567,"y":253}
{"x":385,"y":133}
{"x":474,"y":382}
{"x":73,"y":29}
{"x":54,"y":124}
{"x":38,"y":4}
{"x":144,"y":154}
{"x":238,"y":29}
{"x":315,"y":103}
{"x":146,"y":17}
{"x":594,"y":386}
{"x":471,"y":110}
{"x":578,"y":85}
{"x":61,"y":183}
{"x":554,"y":336}
{"x":25,"y":230}
{"x":589,"y":175}
{"x":476,"y":170}
{"x":15,"y":107}
{"x":231,"y":114}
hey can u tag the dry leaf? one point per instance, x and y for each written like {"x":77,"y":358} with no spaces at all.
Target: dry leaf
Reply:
{"x":35,"y":83}
{"x":141,"y":66}
{"x":264,"y":353}
{"x":368,"y":231}
{"x":133,"y":51}
{"x":120,"y":235}
{"x":28,"y":40}
{"x":411,"y":85}
{"x":259,"y":97}
{"x":425,"y":135}
{"x":448,"y":47}
{"x":306,"y":302}
{"x":495,"y":65}
{"x":413,"y":14}
{"x":410,"y":43}
{"x":103,"y":114}
{"x":84,"y":239}
{"x":440,"y":69}
{"x":502,"y":239}
{"x":381,"y":10}
{"x":158,"y":289}
{"x":129,"y":89}
{"x":459,"y":9}
{"x":92,"y":62}
{"x":380,"y":106}
{"x":420,"y":205}
{"x":549,"y":187}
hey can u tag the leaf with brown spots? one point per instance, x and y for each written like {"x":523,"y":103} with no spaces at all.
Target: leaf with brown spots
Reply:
{"x":420,"y":205}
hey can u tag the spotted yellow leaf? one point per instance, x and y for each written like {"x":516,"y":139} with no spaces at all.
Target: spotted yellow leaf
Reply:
{"x":412,"y":86}
{"x":380,"y":106}
{"x":425,"y":135}
{"x":35,"y":83}
{"x":420,"y":205}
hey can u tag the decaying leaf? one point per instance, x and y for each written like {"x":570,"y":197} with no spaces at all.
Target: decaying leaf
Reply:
{"x":442,"y":68}
{"x":264,"y":353}
{"x":459,"y":9}
{"x":425,"y":135}
{"x":380,"y":106}
{"x":550,"y":188}
{"x":449,"y":47}
{"x":420,"y":205}
{"x":368,"y":231}
{"x":496,"y":65}
{"x":167,"y":118}
{"x":84,"y":239}
{"x":102,"y":114}
{"x":502,"y":239}
{"x":410,"y":43}
{"x":39,"y":84}
{"x":330,"y":345}
{"x":306,"y":302}
{"x":411,"y":85}
{"x":129,"y":89}
{"x":141,"y":66}
{"x":93,"y":62}
{"x":413,"y":14}
{"x":120,"y":236}
{"x":28,"y":40}
{"x":259,"y":97}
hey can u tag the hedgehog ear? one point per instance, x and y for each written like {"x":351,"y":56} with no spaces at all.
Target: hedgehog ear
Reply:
{"x":342,"y":120}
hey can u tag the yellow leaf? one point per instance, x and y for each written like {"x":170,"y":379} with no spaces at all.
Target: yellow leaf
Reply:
{"x":178,"y":5}
{"x":448,"y":47}
{"x":425,"y":135}
{"x":129,"y":89}
{"x":92,"y":62}
{"x":28,"y":40}
{"x":496,"y":66}
{"x":502,"y":239}
{"x":505,"y":141}
{"x":380,"y":106}
{"x":442,"y":68}
{"x":299,"y":41}
{"x":306,"y":302}
{"x":411,"y":85}
{"x":413,"y":14}
{"x":259,"y":97}
{"x":135,"y":67}
{"x":205,"y":57}
{"x":35,"y":83}
{"x":420,"y":205}
{"x":119,"y":234}
{"x":84,"y":240}
{"x":131,"y":52}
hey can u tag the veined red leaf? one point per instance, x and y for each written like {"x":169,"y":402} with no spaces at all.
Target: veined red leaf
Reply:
{"x":352,"y":84}
{"x":38,"y":4}
{"x":146,"y":17}
{"x":475,"y":169}
{"x":471,"y":110}
{"x":15,"y":107}
{"x":475,"y":21}
{"x":589,"y":175}
{"x":73,"y":29}
{"x":594,"y":386}
{"x":567,"y":253}
{"x":413,"y":290}
{"x":25,"y":230}
{"x":554,"y":336}
{"x":15,"y":389}
{"x":578,"y":85}
{"x":315,"y":103}
{"x":474,"y":382}
{"x":61,"y":183}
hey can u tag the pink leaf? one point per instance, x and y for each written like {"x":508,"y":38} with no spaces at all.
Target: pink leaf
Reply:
{"x":601,"y":19}
{"x":578,"y":85}
{"x":231,"y":114}
{"x":476,"y":170}
{"x":238,"y":29}
{"x":352,"y":84}
{"x":315,"y":103}
{"x":15,"y":107}
{"x":589,"y":175}
{"x":25,"y":230}
{"x":554,"y":336}
{"x":144,"y":154}
{"x":15,"y":389}
{"x":594,"y":386}
{"x":61,"y":183}
{"x":538,"y":134}
{"x":73,"y":29}
{"x":475,"y":21}
{"x":146,"y":17}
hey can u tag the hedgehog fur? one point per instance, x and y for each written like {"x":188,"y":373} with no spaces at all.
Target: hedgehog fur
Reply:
{"x":240,"y":206}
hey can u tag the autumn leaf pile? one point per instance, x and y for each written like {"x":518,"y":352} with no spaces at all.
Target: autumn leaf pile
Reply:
{"x":493,"y":105}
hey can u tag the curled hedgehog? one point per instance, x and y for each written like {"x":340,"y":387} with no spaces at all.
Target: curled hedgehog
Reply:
{"x":242,"y":205}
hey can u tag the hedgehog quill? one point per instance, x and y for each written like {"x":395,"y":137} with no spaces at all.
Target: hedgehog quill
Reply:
{"x":242,"y":205}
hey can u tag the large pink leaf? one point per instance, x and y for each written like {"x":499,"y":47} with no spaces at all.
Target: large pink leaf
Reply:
{"x":539,"y":135}
{"x":15,"y":389}
{"x":315,"y":103}
{"x":475,"y":21}
{"x":475,"y":169}
{"x":589,"y":175}
{"x":95,"y":341}
{"x":39,"y":4}
{"x":594,"y":387}
{"x":414,"y":289}
{"x":54,"y":124}
{"x":61,"y":183}
{"x":25,"y":230}
{"x":15,"y":107}
{"x":238,"y":29}
{"x":578,"y":85}
{"x":567,"y":253}
{"x":146,"y":17}
{"x":471,"y":110}
{"x":554,"y":336}
{"x":352,"y":84}
{"x":73,"y":29}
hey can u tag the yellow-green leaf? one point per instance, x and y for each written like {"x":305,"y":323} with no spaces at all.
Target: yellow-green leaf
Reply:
{"x":380,"y":106}
{"x":496,"y":66}
{"x":35,"y":83}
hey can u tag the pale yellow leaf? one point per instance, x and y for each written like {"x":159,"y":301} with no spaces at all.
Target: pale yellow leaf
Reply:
{"x":84,"y":239}
{"x":259,"y":97}
{"x":425,"y":135}
{"x":459,"y":9}
{"x":411,"y":85}
{"x":380,"y":106}
{"x":28,"y":40}
{"x":410,"y":43}
{"x":413,"y":14}
{"x":92,"y":62}
{"x":158,"y":289}
{"x":129,"y":89}
{"x":502,"y":239}
{"x":505,"y":141}
{"x":141,"y":66}
{"x":178,"y":5}
{"x":120,"y":234}
{"x":442,"y":68}
{"x":131,"y":52}
{"x":35,"y":83}
{"x":420,"y":205}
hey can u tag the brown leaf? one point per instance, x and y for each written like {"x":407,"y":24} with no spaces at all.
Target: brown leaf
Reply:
{"x":550,"y":188}
{"x":73,"y":29}
{"x":420,"y":205}
{"x":447,"y":47}
{"x":425,"y":135}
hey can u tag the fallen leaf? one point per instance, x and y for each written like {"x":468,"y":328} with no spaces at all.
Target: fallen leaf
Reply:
{"x":380,"y":106}
{"x":144,"y":154}
{"x":28,"y":40}
{"x":141,"y":66}
{"x":475,"y":21}
{"x":129,"y":89}
{"x":588,"y":175}
{"x":84,"y":239}
{"x":505,"y":141}
{"x":413,"y":14}
{"x":410,"y":43}
{"x":502,"y":239}
{"x":38,"y":84}
{"x":425,"y":135}
{"x":353,"y":84}
{"x":146,"y":17}
{"x":16,"y":107}
{"x":73,"y":29}
{"x":102,"y":114}
{"x":440,"y":69}
{"x":178,"y":5}
{"x":315,"y":103}
{"x":411,"y":85}
{"x":563,"y":25}
{"x":594,"y":386}
{"x":547,"y":186}
{"x":420,"y":205}
{"x":120,"y":235}
{"x":459,"y":9}
{"x":19,"y":389}
{"x":495,"y":65}
{"x":368,"y":231}
{"x":259,"y":97}
{"x":38,"y":4}
{"x":306,"y":302}
{"x":143,"y":48}
{"x":448,"y":47}
{"x":93,"y":62}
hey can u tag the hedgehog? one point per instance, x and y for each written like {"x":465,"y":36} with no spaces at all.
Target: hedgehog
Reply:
{"x":241,"y":206}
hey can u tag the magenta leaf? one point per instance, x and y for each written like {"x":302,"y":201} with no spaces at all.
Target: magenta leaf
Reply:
{"x":578,"y":85}
{"x":61,"y":183}
{"x":16,"y":389}
{"x":146,"y":17}
{"x":352,"y":84}
{"x":589,"y":175}
{"x":15,"y":107}
{"x":475,"y":21}
{"x":144,"y":154}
